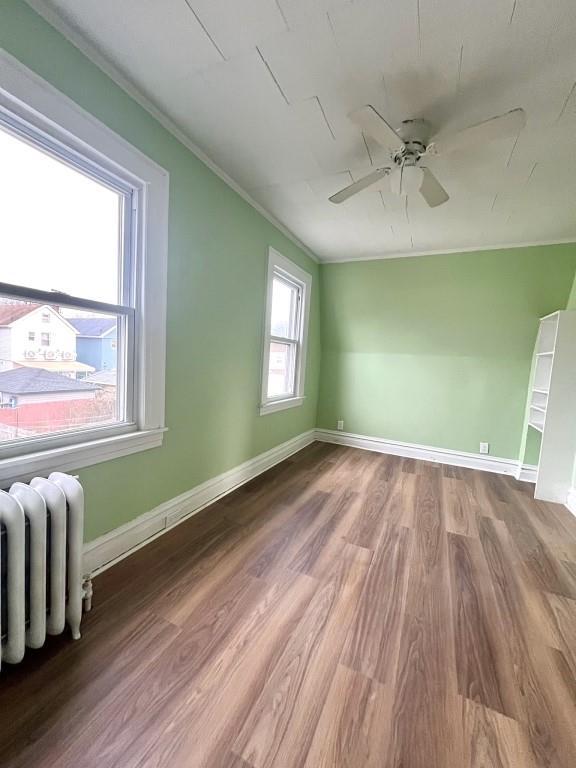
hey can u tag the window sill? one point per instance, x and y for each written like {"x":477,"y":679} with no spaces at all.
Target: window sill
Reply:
{"x":280,"y":405}
{"x":77,"y":456}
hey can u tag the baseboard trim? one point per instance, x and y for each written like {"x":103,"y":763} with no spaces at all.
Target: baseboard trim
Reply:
{"x":571,"y":501}
{"x":528,"y":473}
{"x":105,"y":551}
{"x":429,"y":453}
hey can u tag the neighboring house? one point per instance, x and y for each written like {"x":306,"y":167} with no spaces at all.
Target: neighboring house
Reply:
{"x":97,"y":341}
{"x":37,"y":336}
{"x":34,"y":400}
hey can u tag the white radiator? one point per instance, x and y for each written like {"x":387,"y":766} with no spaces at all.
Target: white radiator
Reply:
{"x":42,"y":576}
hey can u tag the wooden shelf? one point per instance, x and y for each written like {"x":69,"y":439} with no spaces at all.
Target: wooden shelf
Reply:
{"x":540,"y":391}
{"x":538,"y":408}
{"x":544,"y":354}
{"x":534,"y":425}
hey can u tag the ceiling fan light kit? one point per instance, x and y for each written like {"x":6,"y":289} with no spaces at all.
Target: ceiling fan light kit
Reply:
{"x":412,"y":142}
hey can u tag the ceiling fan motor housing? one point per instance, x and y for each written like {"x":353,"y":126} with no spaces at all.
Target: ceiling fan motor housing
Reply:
{"x":415,"y":134}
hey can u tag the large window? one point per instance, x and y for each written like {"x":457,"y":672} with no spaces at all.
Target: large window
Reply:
{"x":287,"y":310}
{"x":65,"y":260}
{"x":82,"y":285}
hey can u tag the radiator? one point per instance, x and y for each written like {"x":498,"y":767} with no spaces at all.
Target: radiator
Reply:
{"x":40,"y":562}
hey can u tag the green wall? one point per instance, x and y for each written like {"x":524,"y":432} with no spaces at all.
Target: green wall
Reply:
{"x":437,"y":349}
{"x":216,"y":287}
{"x":572,"y":298}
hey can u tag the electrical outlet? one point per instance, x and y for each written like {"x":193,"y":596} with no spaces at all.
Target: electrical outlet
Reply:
{"x":484,"y":447}
{"x":340,"y":425}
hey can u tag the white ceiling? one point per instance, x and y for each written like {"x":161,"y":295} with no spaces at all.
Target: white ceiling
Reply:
{"x":264,"y":87}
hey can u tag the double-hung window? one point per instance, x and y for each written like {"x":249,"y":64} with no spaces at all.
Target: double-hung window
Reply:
{"x":286,"y":332}
{"x":83,"y":251}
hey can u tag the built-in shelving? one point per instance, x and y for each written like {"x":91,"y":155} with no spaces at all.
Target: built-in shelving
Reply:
{"x":552,"y":405}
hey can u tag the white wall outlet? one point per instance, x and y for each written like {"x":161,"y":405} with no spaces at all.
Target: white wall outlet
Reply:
{"x":340,"y":425}
{"x":484,"y":447}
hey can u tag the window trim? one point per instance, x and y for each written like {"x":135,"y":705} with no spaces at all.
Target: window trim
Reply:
{"x":32,"y":104}
{"x":278,"y":264}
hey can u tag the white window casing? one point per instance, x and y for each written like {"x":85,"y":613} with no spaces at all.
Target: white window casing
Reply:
{"x":32,"y":108}
{"x":297,"y":338}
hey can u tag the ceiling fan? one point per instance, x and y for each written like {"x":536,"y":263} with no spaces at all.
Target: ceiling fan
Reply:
{"x":412,"y":142}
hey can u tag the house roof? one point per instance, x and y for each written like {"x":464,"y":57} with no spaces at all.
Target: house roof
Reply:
{"x":93,"y":326}
{"x":21,"y":381}
{"x":58,"y":366}
{"x":11,"y":312}
{"x":106,"y":378}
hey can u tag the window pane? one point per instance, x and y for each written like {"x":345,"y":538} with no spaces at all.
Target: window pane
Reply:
{"x":57,"y":380}
{"x":284,"y":308}
{"x":281,"y":369}
{"x":60,"y":229}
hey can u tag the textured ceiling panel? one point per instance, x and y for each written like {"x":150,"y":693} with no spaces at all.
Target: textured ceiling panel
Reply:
{"x":264,"y":87}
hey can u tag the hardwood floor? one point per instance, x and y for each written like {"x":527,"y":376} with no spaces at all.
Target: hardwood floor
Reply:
{"x":344,"y":610}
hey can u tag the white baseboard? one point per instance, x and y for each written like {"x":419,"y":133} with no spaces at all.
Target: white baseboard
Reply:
{"x":106,"y":550}
{"x":528,"y":473}
{"x":428,"y":453}
{"x":571,"y":500}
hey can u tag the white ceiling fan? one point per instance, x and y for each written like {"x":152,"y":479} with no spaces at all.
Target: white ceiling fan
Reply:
{"x":412,"y":142}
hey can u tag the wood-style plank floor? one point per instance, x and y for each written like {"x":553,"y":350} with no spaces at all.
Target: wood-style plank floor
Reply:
{"x":344,"y":610}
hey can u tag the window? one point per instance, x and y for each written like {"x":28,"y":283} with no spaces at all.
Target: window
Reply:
{"x":286,"y":331}
{"x":83,"y":248}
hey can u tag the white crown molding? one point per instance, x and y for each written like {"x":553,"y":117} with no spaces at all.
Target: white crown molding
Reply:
{"x":571,"y":501}
{"x":429,"y":453}
{"x":470,"y":249}
{"x":98,"y":59}
{"x":114,"y":546}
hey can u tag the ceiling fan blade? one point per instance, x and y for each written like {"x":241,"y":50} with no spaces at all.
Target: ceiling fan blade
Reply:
{"x":431,"y":189}
{"x":358,"y":186}
{"x":500,"y":127}
{"x":374,"y":125}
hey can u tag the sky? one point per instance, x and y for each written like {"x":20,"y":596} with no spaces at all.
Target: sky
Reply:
{"x":59,"y":229}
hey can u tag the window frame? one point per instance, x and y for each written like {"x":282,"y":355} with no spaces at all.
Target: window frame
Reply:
{"x":285,"y":269}
{"x":32,"y":108}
